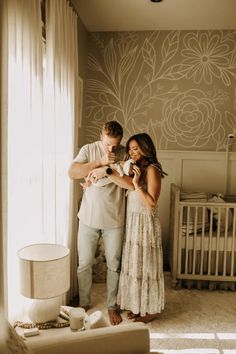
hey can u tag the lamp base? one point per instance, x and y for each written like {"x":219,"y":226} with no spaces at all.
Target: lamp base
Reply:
{"x":45,"y":310}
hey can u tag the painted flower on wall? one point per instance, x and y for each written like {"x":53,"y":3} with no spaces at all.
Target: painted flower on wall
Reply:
{"x":189,"y":119}
{"x":208,"y":55}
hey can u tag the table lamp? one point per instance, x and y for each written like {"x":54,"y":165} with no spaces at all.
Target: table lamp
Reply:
{"x":44,"y":277}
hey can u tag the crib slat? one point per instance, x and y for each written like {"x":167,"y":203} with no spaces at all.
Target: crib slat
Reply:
{"x":194,"y":241}
{"x":210,"y":242}
{"x":225,"y":239}
{"x":202,"y":240}
{"x":187,"y":237}
{"x":179,"y":243}
{"x":218,"y":241}
{"x":233,"y":243}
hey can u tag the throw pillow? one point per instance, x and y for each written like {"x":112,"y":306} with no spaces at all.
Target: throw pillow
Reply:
{"x":221,"y":214}
{"x":194,"y":221}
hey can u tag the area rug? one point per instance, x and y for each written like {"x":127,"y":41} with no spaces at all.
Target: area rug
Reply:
{"x":193,"y":321}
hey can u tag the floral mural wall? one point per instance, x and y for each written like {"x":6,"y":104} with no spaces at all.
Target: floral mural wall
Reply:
{"x":178,"y":86}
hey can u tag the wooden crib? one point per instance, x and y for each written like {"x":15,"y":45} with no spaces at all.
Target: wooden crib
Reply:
{"x":202,"y":239}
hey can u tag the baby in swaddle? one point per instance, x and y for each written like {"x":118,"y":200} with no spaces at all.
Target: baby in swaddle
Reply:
{"x":122,"y":167}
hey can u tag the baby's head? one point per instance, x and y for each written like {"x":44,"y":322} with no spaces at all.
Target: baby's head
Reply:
{"x":128,"y":167}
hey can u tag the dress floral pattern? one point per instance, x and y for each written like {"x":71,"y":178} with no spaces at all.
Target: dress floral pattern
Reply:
{"x":141,"y":286}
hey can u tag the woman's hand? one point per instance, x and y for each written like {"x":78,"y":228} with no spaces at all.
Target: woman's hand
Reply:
{"x":137,"y":175}
{"x":150,"y":194}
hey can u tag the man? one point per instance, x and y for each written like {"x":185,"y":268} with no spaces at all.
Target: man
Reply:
{"x":102,"y":213}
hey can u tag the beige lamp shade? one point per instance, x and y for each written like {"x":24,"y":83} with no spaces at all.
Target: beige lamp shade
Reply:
{"x":44,"y":270}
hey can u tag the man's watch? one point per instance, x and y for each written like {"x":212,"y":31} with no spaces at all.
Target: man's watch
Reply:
{"x":108,"y":171}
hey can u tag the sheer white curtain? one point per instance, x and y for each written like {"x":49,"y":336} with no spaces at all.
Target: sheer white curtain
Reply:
{"x":24,"y":138}
{"x":61,"y":112}
{"x":42,"y":109}
{"x":3,"y":180}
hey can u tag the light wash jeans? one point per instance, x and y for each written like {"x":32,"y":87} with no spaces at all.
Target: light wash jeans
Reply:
{"x":87,"y":244}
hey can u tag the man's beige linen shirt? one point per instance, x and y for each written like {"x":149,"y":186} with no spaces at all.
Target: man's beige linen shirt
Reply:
{"x":101,"y":207}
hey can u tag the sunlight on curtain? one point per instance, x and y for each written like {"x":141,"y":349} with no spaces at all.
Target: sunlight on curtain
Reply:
{"x":60,"y":112}
{"x":60,"y":115}
{"x":24,"y":214}
{"x":42,"y":108}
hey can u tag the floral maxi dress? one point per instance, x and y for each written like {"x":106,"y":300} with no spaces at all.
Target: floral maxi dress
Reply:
{"x":141,"y":285}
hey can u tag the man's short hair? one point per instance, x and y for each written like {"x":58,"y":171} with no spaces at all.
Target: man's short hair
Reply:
{"x":112,"y":129}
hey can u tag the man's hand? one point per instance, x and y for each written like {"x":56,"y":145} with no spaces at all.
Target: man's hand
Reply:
{"x":108,"y":158}
{"x":97,"y":173}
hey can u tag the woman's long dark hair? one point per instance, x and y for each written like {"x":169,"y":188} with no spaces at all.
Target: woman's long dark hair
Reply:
{"x":148,"y":149}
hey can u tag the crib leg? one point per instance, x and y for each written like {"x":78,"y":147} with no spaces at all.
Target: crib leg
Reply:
{"x":179,"y":284}
{"x":212,"y":285}
{"x":189,"y":284}
{"x":174,"y":283}
{"x":199,"y":285}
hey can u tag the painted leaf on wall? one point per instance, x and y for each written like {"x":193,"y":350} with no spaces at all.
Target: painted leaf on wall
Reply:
{"x":110,"y":59}
{"x":170,"y":46}
{"x":148,"y":53}
{"x":126,"y":63}
{"x":176,"y":72}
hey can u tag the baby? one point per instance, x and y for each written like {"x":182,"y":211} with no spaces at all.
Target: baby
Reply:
{"x":122,"y":167}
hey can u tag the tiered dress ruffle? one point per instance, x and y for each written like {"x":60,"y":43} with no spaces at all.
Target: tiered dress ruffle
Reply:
{"x":141,"y":285}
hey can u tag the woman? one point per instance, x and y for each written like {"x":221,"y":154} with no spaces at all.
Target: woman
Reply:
{"x":141,"y":284}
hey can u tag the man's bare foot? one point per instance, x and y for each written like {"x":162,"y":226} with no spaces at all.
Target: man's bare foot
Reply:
{"x":85,"y":307}
{"x":146,"y":319}
{"x":114,"y":317}
{"x":131,"y":315}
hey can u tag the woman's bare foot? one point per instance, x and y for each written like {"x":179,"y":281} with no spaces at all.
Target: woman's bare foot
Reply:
{"x":146,"y":319}
{"x":114,"y":317}
{"x":131,"y":315}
